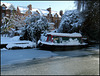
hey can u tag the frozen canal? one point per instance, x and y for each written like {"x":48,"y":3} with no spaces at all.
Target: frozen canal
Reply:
{"x":39,"y":62}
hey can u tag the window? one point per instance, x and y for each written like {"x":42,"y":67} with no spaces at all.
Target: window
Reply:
{"x":3,"y":8}
{"x":60,"y":39}
{"x":3,"y":14}
{"x":7,"y":14}
{"x":55,"y":21}
{"x":11,"y":11}
{"x":29,"y":12}
{"x":49,"y":39}
{"x":56,"y":15}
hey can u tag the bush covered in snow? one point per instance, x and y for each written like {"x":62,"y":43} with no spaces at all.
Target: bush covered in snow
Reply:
{"x":70,"y":22}
{"x":35,"y":25}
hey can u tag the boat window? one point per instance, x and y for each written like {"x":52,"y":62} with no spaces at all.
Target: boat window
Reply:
{"x":49,"y":38}
{"x":55,"y":39}
{"x":60,"y":39}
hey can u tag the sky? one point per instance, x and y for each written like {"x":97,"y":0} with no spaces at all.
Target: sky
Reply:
{"x":55,"y":5}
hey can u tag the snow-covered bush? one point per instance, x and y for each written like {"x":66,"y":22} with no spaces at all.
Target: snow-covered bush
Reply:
{"x":35,"y":25}
{"x":70,"y":22}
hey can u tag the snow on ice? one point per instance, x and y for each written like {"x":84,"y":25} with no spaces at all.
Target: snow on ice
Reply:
{"x":17,"y":56}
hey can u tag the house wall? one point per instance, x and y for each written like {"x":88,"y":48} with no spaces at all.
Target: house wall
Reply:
{"x":49,"y":17}
{"x":30,"y":7}
{"x":54,"y":19}
{"x":6,"y":12}
{"x":18,"y":12}
{"x":28,"y":13}
{"x":3,"y":12}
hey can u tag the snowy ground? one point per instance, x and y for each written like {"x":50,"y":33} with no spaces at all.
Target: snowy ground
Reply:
{"x":15,"y":42}
{"x":64,"y":66}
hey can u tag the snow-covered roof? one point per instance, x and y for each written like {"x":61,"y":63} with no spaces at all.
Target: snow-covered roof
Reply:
{"x":66,"y":34}
{"x":8,"y":5}
{"x":54,"y":12}
{"x":44,"y":12}
{"x":22,"y":9}
{"x":37,"y":9}
{"x":34,"y":10}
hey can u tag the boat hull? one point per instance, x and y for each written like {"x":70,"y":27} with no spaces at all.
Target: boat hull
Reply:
{"x":60,"y":47}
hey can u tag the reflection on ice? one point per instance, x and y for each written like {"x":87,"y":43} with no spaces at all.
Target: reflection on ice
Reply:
{"x":74,"y":53}
{"x":15,"y":56}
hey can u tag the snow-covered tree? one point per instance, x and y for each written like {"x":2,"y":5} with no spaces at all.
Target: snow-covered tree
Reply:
{"x":91,"y":24}
{"x":70,"y":22}
{"x":11,"y":24}
{"x":35,"y":25}
{"x":4,"y":24}
{"x":80,"y":4}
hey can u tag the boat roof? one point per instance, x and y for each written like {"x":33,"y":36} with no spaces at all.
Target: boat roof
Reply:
{"x":66,"y":34}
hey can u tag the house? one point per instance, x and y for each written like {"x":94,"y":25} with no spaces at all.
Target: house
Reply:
{"x":7,"y":9}
{"x":23,"y":11}
{"x":52,"y":16}
{"x":56,"y":20}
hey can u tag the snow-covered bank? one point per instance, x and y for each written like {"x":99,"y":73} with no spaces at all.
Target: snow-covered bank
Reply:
{"x":3,"y":49}
{"x":52,"y":66}
{"x":15,"y":42}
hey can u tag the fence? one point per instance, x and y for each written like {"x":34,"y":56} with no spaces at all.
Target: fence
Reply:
{"x":5,"y":34}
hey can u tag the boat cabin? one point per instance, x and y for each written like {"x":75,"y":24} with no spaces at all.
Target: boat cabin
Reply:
{"x":63,"y":37}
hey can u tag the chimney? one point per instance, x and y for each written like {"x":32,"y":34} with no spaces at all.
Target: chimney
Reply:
{"x":37,"y":11}
{"x":30,"y":7}
{"x":49,"y":9}
{"x":61,"y":12}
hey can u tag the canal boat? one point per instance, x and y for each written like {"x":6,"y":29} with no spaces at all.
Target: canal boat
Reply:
{"x":61,"y":41}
